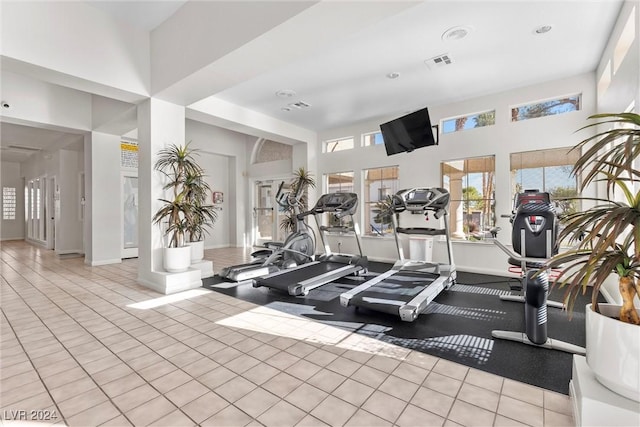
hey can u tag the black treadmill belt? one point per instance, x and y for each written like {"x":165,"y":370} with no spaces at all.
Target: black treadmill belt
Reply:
{"x":284,"y":280}
{"x":393,"y":292}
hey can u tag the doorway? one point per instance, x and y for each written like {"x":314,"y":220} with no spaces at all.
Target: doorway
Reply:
{"x":267,"y":214}
{"x":129,"y":185}
{"x":50,"y":213}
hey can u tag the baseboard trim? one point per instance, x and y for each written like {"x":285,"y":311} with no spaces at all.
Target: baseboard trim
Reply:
{"x":104,"y":262}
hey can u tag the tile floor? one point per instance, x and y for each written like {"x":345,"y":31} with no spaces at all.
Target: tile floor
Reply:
{"x":88,"y":346}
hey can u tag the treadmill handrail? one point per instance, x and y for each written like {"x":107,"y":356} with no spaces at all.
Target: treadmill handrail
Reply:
{"x":422,"y":231}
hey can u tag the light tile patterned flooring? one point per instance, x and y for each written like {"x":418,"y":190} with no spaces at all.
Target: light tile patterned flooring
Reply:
{"x":77,"y":350}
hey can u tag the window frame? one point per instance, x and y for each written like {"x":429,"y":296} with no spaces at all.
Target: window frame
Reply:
{"x":484,"y":231}
{"x":337,"y":141}
{"x":466,"y":117}
{"x":368,"y":205}
{"x":9,"y":203}
{"x":512,"y":108}
{"x":364,"y":136}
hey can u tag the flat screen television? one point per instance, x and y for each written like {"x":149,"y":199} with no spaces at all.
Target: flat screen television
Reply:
{"x":407,"y":133}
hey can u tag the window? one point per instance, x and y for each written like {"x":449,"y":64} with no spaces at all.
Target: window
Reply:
{"x":379,"y":185}
{"x":8,"y":203}
{"x":338,"y":144}
{"x":339,"y":182}
{"x":605,"y":80}
{"x":373,"y":138}
{"x":625,"y":41}
{"x":271,"y":151}
{"x":471,"y":183}
{"x":470,"y":121}
{"x":547,"y":170}
{"x":546,"y":108}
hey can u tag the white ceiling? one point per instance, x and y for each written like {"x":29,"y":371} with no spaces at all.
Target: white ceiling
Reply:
{"x":19,"y":142}
{"x":145,"y":15}
{"x":345,"y":81}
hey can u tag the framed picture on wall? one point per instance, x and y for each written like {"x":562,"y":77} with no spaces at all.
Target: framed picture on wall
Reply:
{"x":218,"y":197}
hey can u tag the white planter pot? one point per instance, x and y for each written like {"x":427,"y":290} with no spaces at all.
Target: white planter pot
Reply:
{"x":613,"y":351}
{"x":197,"y":251}
{"x":176,"y":260}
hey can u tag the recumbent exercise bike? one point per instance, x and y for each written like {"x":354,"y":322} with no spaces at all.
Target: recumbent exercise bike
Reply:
{"x":534,"y":233}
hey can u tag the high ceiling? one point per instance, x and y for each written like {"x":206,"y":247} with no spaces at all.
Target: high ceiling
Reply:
{"x":346,"y":79}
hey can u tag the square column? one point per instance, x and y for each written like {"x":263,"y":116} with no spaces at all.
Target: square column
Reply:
{"x":160,"y":124}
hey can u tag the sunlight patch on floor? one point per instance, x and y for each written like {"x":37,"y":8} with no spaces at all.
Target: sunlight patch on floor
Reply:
{"x":168,"y":299}
{"x":269,"y":321}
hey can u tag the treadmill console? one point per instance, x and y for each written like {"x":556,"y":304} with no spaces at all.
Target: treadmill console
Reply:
{"x":344,"y":203}
{"x":423,"y":199}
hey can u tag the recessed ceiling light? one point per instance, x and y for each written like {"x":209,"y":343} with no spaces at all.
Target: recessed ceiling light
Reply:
{"x":286,"y":109}
{"x":456,"y":33}
{"x":393,"y":75}
{"x":285,"y":93}
{"x":542,"y":29}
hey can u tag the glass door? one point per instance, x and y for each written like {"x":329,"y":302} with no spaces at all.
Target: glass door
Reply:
{"x":129,"y":216}
{"x":267,"y":214}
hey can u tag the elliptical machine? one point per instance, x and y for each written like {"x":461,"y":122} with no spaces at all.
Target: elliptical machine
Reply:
{"x":298,"y":248}
{"x":533,"y":237}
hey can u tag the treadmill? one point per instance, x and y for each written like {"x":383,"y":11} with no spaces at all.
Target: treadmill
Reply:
{"x":298,"y":248}
{"x":410,"y":285}
{"x":329,"y":266}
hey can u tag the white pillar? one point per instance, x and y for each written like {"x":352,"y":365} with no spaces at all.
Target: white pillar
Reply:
{"x":102,"y":199}
{"x":457,"y":212}
{"x":160,"y":124}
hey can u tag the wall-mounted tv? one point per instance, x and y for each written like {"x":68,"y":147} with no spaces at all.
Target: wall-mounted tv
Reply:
{"x":409,"y":132}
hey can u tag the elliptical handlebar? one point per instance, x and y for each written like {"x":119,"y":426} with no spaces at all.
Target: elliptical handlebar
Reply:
{"x":288,"y":199}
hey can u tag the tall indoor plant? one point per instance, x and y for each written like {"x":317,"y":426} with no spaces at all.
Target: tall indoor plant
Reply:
{"x":183,"y":182}
{"x":303,"y":180}
{"x":607,"y":240}
{"x":201,"y":215}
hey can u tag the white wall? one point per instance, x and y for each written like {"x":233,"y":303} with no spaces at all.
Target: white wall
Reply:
{"x":107,"y":55}
{"x":11,"y":177}
{"x":69,"y":227}
{"x":34,"y":101}
{"x":103,"y":207}
{"x":224,"y":146}
{"x":625,"y":81}
{"x":622,"y":91}
{"x":218,"y":172}
{"x":422,"y":167}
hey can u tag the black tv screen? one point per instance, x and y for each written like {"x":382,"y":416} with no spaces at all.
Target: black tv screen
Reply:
{"x":407,"y":133}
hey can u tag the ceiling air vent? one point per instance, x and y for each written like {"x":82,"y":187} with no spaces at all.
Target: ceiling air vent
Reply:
{"x":439,"y":61}
{"x":299,"y":105}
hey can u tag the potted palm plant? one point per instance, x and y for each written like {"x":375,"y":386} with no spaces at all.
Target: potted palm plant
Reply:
{"x":302,"y":179}
{"x":177,"y":164}
{"x":383,"y":214}
{"x":200,"y":216}
{"x":606,"y":239}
